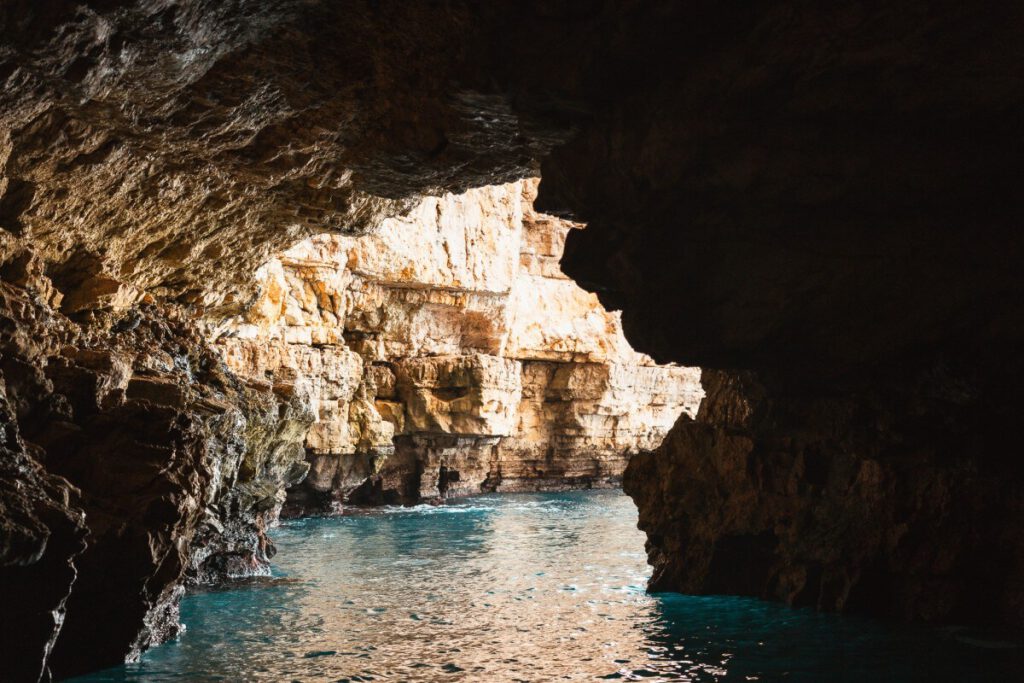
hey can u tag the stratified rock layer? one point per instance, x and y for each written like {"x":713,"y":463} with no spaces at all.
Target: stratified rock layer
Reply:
{"x":447,"y":354}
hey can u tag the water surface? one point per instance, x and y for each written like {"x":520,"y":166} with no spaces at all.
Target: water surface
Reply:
{"x":528,"y":587}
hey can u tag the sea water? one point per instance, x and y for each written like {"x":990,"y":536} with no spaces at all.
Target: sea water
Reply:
{"x":524,"y":587}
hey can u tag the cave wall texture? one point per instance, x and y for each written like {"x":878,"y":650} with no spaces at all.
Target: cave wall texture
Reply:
{"x":817,"y":200}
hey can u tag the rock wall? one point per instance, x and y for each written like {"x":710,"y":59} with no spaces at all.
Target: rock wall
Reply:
{"x":151,"y":157}
{"x":447,"y":354}
{"x":824,"y":503}
{"x":143,"y":463}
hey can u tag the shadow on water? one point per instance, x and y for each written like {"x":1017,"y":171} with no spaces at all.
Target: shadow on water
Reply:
{"x":530,"y":587}
{"x":732,"y":638}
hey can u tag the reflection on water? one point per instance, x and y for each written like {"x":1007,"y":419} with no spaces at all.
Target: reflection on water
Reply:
{"x":532,"y":587}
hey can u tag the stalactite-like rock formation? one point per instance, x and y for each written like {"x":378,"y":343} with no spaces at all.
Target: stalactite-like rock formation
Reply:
{"x":447,"y":354}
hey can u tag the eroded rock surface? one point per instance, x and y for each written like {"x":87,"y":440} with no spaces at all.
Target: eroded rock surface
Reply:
{"x":40,"y":538}
{"x":447,"y":354}
{"x":136,"y":461}
{"x":152,"y":156}
{"x":822,"y":503}
{"x":169,"y":147}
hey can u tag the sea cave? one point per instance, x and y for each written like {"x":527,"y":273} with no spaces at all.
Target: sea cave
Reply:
{"x":609,"y":339}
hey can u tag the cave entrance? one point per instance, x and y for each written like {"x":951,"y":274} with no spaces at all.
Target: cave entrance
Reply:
{"x":445,"y":353}
{"x":445,"y":479}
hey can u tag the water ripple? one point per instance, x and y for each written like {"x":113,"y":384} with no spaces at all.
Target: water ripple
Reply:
{"x":533,"y":587}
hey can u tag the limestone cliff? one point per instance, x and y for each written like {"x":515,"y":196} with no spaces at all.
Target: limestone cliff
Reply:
{"x":447,"y":354}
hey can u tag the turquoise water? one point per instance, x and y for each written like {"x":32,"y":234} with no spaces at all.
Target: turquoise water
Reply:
{"x":530,"y":587}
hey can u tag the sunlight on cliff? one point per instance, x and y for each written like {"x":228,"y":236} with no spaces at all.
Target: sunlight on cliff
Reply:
{"x":445,"y":353}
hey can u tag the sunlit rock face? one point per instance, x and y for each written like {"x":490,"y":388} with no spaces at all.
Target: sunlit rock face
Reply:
{"x":447,"y":354}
